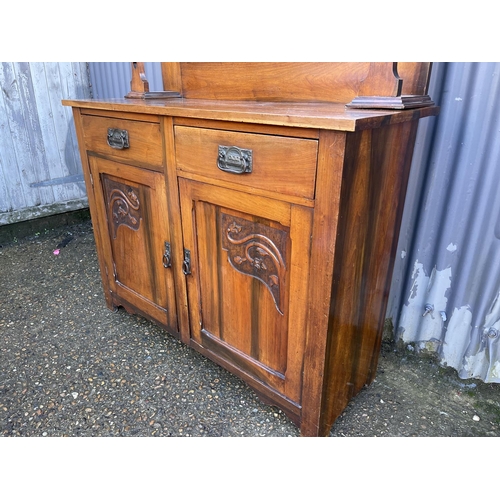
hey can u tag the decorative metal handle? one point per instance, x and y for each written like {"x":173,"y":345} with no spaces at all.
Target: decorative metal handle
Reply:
{"x":118,"y":138}
{"x":186,"y":265}
{"x":235,"y":160}
{"x":167,"y":255}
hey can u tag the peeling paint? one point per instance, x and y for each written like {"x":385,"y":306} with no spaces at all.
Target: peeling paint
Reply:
{"x":474,"y":365}
{"x":403,"y":254}
{"x":481,"y":358}
{"x":495,"y":373}
{"x":492,"y":319}
{"x":425,"y":290}
{"x":459,"y":343}
{"x":457,"y":337}
{"x":451,"y":247}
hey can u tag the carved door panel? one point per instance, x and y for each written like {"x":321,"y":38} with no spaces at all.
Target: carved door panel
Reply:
{"x":248,"y":282}
{"x":133,"y":226}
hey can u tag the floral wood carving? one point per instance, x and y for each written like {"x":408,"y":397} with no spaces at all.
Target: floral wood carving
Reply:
{"x":123,"y":206}
{"x":257,"y":250}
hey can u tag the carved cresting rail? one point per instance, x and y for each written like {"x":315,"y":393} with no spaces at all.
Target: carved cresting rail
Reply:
{"x":376,"y":85}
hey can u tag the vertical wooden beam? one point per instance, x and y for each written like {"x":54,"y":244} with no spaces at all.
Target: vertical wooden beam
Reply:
{"x":328,"y":185}
{"x":176,"y":234}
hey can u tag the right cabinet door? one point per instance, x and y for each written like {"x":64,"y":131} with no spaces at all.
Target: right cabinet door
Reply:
{"x":247,"y":282}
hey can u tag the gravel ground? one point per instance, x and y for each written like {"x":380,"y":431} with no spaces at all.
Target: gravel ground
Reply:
{"x":71,"y":367}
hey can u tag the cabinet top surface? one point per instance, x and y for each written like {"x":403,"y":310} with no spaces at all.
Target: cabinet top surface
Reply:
{"x":322,"y":115}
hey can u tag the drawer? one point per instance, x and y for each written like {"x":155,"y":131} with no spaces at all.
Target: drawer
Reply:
{"x":280,"y":164}
{"x":144,"y":140}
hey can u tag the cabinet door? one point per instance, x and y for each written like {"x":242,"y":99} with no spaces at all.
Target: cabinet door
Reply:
{"x":248,"y":282}
{"x":134,"y":233}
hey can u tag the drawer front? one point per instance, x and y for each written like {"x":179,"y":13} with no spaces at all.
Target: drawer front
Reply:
{"x":279,"y":164}
{"x":131,"y":140}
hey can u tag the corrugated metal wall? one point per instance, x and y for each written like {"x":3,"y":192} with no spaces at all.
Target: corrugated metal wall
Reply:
{"x":112,"y":79}
{"x":446,"y":296}
{"x":445,"y":293}
{"x":40,"y":168}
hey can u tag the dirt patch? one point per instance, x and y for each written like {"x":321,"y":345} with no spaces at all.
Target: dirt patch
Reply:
{"x":413,"y":396}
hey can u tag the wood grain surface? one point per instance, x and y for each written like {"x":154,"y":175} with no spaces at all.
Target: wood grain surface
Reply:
{"x":316,"y":115}
{"x":283,"y":164}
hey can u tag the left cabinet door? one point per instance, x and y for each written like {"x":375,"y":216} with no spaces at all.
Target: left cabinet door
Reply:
{"x":133,"y":226}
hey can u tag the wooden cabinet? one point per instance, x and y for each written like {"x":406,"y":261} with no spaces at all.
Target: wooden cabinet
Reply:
{"x":260,"y":233}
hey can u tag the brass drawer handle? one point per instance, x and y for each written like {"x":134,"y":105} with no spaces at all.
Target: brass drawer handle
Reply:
{"x":118,"y":138}
{"x":235,"y":160}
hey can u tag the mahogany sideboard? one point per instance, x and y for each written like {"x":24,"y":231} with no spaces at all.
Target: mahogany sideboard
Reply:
{"x":252,"y":210}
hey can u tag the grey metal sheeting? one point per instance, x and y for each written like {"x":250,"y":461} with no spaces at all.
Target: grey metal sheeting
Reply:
{"x":446,"y":283}
{"x":112,"y":79}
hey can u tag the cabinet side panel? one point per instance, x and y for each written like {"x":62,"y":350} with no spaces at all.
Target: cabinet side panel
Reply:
{"x":372,"y":198}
